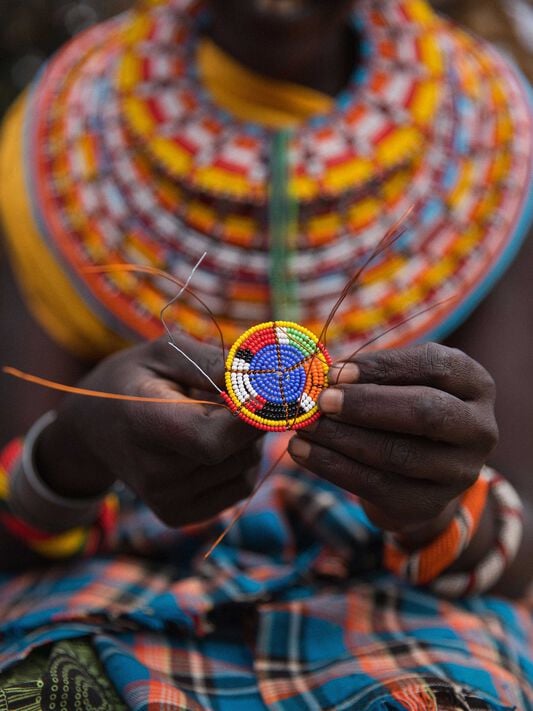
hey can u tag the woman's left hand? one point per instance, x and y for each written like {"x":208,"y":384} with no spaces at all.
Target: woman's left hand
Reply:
{"x":407,"y":430}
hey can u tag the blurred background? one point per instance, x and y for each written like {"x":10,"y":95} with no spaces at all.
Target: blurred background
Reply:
{"x":32,"y":29}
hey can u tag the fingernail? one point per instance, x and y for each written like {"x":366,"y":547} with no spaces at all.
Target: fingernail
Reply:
{"x":343,"y":373}
{"x":330,"y":401}
{"x":299,"y":448}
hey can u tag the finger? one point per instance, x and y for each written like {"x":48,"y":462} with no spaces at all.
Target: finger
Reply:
{"x":429,"y":364}
{"x":208,"y":435}
{"x":178,"y":504}
{"x":415,"y":410}
{"x":210,"y":503}
{"x":168,"y":472}
{"x":207,"y":478}
{"x":175,"y":510}
{"x":167,"y":362}
{"x":219,"y":498}
{"x":391,"y":493}
{"x":406,"y":455}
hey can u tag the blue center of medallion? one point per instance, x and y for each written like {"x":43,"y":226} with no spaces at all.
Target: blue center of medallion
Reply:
{"x":275,"y":375}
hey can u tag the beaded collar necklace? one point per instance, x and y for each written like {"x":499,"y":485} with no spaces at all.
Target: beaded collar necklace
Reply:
{"x":130,"y":160}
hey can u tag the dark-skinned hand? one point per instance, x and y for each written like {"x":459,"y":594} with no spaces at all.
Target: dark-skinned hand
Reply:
{"x":407,"y":430}
{"x":187,"y":462}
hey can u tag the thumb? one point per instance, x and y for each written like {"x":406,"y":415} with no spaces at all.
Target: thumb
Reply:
{"x":187,"y":362}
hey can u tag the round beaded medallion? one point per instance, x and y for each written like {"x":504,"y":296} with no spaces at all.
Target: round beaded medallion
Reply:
{"x":274,"y":374}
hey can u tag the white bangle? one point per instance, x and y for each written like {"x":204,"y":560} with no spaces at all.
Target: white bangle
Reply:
{"x":31,"y":500}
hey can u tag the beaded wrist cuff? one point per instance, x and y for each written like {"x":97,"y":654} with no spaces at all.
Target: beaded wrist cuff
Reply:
{"x":489,"y":570}
{"x":425,"y":566}
{"x":422,"y":566}
{"x":84,"y":540}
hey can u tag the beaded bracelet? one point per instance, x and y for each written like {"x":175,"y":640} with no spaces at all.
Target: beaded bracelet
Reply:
{"x":84,"y":540}
{"x":422,"y":566}
{"x":509,"y":522}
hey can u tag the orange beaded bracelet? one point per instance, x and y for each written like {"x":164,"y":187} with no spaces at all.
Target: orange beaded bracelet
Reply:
{"x":422,"y":566}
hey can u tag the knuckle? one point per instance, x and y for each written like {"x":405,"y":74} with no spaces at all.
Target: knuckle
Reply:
{"x":382,"y":367}
{"x":399,"y":453}
{"x":375,"y":367}
{"x":337,"y":432}
{"x":158,"y":347}
{"x":364,"y":402}
{"x":376,"y":480}
{"x":486,"y":384}
{"x":435,"y":360}
{"x":479,"y":377}
{"x":487,"y":435}
{"x":327,"y":460}
{"x":212,"y":452}
{"x":433,"y":413}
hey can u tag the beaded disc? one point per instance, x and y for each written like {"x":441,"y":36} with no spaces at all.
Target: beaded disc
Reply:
{"x":274,"y":374}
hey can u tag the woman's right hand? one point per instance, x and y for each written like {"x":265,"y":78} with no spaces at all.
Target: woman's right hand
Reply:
{"x":187,"y":462}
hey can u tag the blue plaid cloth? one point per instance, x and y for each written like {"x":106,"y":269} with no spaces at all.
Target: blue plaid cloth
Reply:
{"x":291,"y":612}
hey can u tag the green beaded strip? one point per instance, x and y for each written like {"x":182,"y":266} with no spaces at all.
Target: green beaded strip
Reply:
{"x":283,"y":220}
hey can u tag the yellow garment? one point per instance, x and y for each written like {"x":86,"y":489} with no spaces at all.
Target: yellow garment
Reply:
{"x":252,"y":97}
{"x":51,"y":297}
{"x":49,"y":294}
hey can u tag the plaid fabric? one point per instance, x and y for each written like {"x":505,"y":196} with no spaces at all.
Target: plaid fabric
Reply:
{"x":291,"y":612}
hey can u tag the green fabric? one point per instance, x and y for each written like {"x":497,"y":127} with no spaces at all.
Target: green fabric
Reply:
{"x":65,"y":676}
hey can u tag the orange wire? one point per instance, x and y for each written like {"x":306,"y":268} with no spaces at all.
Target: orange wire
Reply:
{"x":52,"y":385}
{"x":242,"y":509}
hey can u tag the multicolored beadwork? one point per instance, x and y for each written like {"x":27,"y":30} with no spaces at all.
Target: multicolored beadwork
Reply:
{"x":274,"y":374}
{"x":129,"y":159}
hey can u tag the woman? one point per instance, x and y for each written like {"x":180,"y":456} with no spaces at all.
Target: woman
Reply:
{"x":284,"y":139}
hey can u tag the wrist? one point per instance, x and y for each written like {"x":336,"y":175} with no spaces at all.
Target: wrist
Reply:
{"x":49,"y":525}
{"x":65,"y":466}
{"x":33,"y":501}
{"x":419,"y":535}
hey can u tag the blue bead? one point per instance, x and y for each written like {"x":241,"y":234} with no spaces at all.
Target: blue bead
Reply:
{"x":286,"y":382}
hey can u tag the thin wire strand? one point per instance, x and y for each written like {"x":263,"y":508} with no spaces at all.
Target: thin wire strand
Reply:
{"x":244,"y":507}
{"x":153,"y":271}
{"x":52,"y":385}
{"x":173,"y":345}
{"x":395,"y":326}
{"x":389,"y":238}
{"x":175,"y":298}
